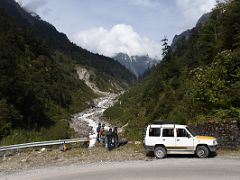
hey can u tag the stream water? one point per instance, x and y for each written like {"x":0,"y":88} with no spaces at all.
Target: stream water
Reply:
{"x":85,"y":123}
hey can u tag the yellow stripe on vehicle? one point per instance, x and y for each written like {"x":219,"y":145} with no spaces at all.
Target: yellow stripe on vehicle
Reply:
{"x":205,"y":137}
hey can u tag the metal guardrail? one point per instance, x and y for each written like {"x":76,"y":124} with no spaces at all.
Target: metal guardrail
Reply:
{"x":42,"y":143}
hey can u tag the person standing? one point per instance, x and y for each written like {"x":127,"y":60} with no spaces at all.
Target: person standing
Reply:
{"x":98,"y":131}
{"x":115,"y":137}
{"x":109,"y":139}
{"x":102,"y":134}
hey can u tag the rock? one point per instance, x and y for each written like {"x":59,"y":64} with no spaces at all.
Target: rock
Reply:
{"x":137,"y":142}
{"x":4,"y":157}
{"x":42,"y":150}
{"x":26,"y":159}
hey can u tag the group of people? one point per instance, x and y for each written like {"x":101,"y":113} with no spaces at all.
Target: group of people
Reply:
{"x":109,"y":137}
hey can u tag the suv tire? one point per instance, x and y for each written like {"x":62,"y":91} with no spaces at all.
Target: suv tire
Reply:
{"x":160,"y":152}
{"x":202,"y":152}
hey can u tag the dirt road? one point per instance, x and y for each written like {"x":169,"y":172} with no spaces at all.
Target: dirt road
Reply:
{"x":171,"y":168}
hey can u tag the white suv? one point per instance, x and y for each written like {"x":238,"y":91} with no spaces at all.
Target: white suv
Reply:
{"x":165,"y":139}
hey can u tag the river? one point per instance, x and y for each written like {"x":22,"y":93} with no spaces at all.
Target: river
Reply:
{"x":85,"y":123}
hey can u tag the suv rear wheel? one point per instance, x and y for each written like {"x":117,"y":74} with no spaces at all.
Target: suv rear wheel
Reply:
{"x":202,"y":152}
{"x":160,"y":152}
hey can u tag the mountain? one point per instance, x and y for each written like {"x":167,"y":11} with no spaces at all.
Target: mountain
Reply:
{"x":138,"y":65}
{"x":204,"y":18}
{"x":104,"y":67}
{"x":40,"y":84}
{"x":197,"y":82}
{"x":178,"y":39}
{"x":184,"y":36}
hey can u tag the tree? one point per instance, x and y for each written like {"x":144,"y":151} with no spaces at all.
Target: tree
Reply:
{"x":212,"y":85}
{"x":5,"y":116}
{"x":165,"y":49}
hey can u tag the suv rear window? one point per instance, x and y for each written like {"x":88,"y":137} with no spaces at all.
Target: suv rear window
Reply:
{"x":168,"y":132}
{"x":154,"y":132}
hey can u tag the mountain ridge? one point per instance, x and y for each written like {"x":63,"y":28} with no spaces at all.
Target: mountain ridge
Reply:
{"x":59,"y":41}
{"x":138,"y":65}
{"x":184,"y":36}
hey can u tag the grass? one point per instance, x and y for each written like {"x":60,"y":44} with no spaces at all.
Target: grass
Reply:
{"x":229,"y":152}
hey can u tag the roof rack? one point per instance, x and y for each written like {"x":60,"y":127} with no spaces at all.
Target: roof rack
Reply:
{"x":159,"y":122}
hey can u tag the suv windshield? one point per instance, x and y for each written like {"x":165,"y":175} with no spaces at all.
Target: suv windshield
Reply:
{"x":191,"y":131}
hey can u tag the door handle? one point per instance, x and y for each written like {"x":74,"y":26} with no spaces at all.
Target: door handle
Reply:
{"x":163,"y":139}
{"x":178,"y":139}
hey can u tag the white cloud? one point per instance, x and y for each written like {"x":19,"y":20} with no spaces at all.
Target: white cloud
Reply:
{"x":20,"y":2}
{"x":194,"y":9}
{"x":32,"y":5}
{"x":120,"y":38}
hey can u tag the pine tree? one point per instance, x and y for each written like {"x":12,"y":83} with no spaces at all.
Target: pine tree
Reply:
{"x":165,"y":45}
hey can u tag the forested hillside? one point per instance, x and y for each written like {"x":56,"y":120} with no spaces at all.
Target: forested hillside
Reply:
{"x":198,"y":81}
{"x":39,"y":86}
{"x":107,"y":71}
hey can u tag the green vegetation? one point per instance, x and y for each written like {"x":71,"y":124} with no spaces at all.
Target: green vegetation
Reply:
{"x":36,"y":92}
{"x":106,"y":69}
{"x":39,"y":86}
{"x":198,"y":80}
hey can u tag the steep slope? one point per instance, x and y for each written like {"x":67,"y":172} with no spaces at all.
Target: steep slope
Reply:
{"x":36,"y":92}
{"x":39,"y":83}
{"x":184,"y":36}
{"x":197,"y":81}
{"x":105,"y":68}
{"x":138,"y":65}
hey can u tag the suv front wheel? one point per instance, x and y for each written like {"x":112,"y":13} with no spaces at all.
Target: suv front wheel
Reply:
{"x":202,"y":152}
{"x":160,"y":152}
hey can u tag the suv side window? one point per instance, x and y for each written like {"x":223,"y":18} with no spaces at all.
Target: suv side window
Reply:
{"x":154,"y":132}
{"x":168,"y":132}
{"x":182,"y":133}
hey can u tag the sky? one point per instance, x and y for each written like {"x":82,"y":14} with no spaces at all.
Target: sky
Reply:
{"x":107,"y":27}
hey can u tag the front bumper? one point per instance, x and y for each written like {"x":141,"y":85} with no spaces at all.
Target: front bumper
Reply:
{"x":213,"y":148}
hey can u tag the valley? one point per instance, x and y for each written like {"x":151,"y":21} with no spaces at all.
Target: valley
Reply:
{"x":85,"y":123}
{"x":45,"y":78}
{"x":66,"y":66}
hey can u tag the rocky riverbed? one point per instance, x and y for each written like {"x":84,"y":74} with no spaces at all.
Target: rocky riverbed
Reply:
{"x":85,"y":123}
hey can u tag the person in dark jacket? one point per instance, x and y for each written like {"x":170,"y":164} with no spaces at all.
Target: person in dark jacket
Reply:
{"x":115,"y":137}
{"x":109,"y":139}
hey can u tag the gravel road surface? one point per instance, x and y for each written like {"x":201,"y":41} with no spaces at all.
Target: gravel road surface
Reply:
{"x":171,"y":168}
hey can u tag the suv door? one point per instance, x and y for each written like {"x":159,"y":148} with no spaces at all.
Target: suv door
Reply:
{"x":184,"y":140}
{"x":168,"y":138}
{"x":154,"y":135}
